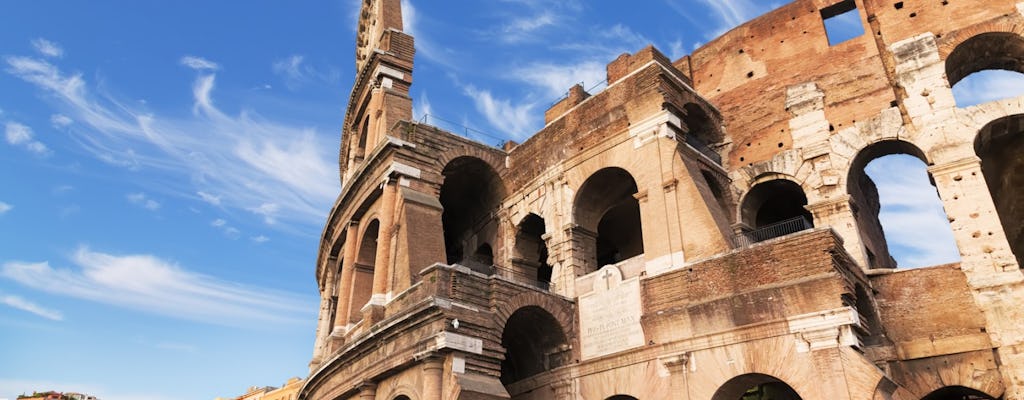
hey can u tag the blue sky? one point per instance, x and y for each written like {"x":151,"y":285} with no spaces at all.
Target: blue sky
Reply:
{"x":167,"y":166}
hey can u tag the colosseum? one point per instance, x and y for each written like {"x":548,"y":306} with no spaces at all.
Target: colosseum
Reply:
{"x":701,"y":228}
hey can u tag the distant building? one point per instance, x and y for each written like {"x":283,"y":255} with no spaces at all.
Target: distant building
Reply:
{"x":288,"y":391}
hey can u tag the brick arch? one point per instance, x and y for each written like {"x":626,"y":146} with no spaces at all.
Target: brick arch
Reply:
{"x":490,"y":157}
{"x":951,"y":41}
{"x":561,"y":310}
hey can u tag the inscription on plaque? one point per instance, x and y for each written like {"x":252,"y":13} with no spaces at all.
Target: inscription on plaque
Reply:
{"x":610,"y":315}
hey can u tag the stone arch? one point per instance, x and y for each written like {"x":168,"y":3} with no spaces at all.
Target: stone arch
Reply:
{"x":1001,"y":50}
{"x":363,"y":270}
{"x":622,"y":397}
{"x":957,"y":393}
{"x":492,"y":157}
{"x":864,"y":198}
{"x":999,"y":145}
{"x":607,"y":215}
{"x":562,"y":311}
{"x":774,"y":206}
{"x":402,"y":391}
{"x":534,"y":343}
{"x":471,"y":194}
{"x":530,"y":251}
{"x":763,"y":386}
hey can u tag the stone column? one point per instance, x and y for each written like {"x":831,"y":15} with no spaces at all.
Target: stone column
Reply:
{"x":367,"y":391}
{"x":348,"y":267}
{"x":381,"y":271}
{"x":987,"y":261}
{"x":563,"y":390}
{"x":321,"y":333}
{"x":837,"y":214}
{"x":433,"y":374}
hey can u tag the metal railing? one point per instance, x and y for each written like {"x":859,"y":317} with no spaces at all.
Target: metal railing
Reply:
{"x":461,"y":130}
{"x":781,"y":228}
{"x":703,"y":148}
{"x":523,"y":277}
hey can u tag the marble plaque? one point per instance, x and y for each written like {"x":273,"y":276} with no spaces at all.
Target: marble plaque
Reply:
{"x":610,"y":315}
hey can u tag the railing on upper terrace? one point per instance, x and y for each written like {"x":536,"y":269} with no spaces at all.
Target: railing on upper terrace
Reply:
{"x":521,"y":277}
{"x":781,"y":228}
{"x":703,"y":148}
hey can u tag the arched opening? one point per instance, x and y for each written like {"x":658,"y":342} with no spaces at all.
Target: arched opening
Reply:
{"x":608,"y":218}
{"x":986,"y":67}
{"x":484,"y":255}
{"x":957,"y":393}
{"x":700,"y":131}
{"x":530,"y":255}
{"x":774,"y":208}
{"x":470,"y":195}
{"x":755,"y":387}
{"x":402,"y":397}
{"x":621,"y":397}
{"x":899,"y":215}
{"x":999,"y":145}
{"x":362,"y":284}
{"x":534,"y":343}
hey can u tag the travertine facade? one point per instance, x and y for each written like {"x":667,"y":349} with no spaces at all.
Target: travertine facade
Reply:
{"x":700,"y":229}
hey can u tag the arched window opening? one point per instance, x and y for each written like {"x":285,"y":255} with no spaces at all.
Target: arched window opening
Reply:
{"x":534,"y":343}
{"x":621,"y":397}
{"x":484,"y":255}
{"x":608,"y":218}
{"x":772,"y":209}
{"x":403,"y":397}
{"x":362,"y":288}
{"x":755,"y":387}
{"x":957,"y":393}
{"x":470,"y":195}
{"x":700,"y":131}
{"x":900,"y":218}
{"x":364,"y":131}
{"x":999,"y":145}
{"x":986,"y":67}
{"x":530,"y":255}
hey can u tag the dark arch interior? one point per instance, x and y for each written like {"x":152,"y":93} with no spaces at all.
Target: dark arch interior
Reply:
{"x":531,"y":252}
{"x":775,"y":208}
{"x":957,"y":393}
{"x":534,"y":342}
{"x":700,"y":125}
{"x":722,"y":197}
{"x":993,"y":50}
{"x":870,"y":330}
{"x":484,"y":254}
{"x":755,"y":387}
{"x":403,"y":397}
{"x":605,"y":206}
{"x":362,"y":288}
{"x":621,"y":397}
{"x":470,"y":194}
{"x":1000,"y":145}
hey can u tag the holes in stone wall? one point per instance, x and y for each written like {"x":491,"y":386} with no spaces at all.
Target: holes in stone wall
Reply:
{"x":842,"y":22}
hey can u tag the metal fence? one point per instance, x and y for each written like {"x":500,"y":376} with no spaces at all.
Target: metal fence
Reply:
{"x":703,"y":148}
{"x":781,"y":228}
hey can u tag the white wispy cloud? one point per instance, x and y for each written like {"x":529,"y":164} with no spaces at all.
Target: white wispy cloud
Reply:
{"x":228,"y":230}
{"x":22,"y":136}
{"x":209,"y":198}
{"x":47,"y":48}
{"x":421,"y":107}
{"x":28,"y":306}
{"x":199,"y":63}
{"x":915,"y":224}
{"x":260,"y":239}
{"x":250,"y":160}
{"x":985,"y":86}
{"x":725,"y":14}
{"x":517,"y":121}
{"x":219,"y":222}
{"x":60,"y":121}
{"x":296,"y":72}
{"x":153,"y":285}
{"x":4,"y":208}
{"x":143,"y":200}
{"x":523,"y":28}
{"x":269,"y":212}
{"x":556,"y":79}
